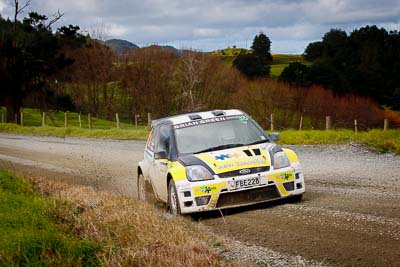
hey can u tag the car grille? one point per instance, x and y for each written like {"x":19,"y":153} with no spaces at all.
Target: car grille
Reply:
{"x":247,"y":196}
{"x":289,"y":186}
{"x":237,"y":172}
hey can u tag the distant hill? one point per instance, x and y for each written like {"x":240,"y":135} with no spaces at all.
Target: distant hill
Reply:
{"x":168,"y":47}
{"x":120,"y":46}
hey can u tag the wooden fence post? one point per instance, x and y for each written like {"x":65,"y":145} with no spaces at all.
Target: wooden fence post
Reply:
{"x":301,"y":123}
{"x":43,"y":119}
{"x":79,"y":120}
{"x":328,"y":123}
{"x":22,"y":118}
{"x":117,"y":119}
{"x":16,"y":118}
{"x":89,"y":121}
{"x":272,"y":122}
{"x":149,"y":120}
{"x":65,"y":119}
{"x":136,"y":119}
{"x":2,"y":117}
{"x":355,"y":126}
{"x":385,"y":124}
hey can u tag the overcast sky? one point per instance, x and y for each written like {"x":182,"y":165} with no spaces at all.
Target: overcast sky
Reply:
{"x":209,"y":25}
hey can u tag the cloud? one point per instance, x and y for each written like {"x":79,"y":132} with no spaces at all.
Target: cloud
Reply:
{"x":211,"y":24}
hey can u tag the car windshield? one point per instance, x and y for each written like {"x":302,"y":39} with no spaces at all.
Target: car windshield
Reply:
{"x":215,"y":134}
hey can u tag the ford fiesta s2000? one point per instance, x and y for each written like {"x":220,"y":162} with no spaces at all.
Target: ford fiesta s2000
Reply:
{"x":214,"y":160}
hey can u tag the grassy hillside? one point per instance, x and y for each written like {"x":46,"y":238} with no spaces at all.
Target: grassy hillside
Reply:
{"x":280,"y":61}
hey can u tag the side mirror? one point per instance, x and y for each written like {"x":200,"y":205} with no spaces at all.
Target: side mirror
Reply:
{"x":275,"y":136}
{"x":161,"y":155}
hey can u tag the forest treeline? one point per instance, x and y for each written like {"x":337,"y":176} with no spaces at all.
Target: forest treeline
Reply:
{"x":365,"y":62}
{"x":64,"y":70}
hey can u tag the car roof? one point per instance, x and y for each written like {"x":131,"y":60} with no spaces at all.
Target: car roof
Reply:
{"x":188,"y":117}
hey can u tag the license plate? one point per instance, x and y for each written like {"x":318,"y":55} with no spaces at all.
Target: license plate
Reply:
{"x":248,"y":182}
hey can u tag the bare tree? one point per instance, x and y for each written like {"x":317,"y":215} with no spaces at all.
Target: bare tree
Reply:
{"x":191,"y":69}
{"x":19,"y":9}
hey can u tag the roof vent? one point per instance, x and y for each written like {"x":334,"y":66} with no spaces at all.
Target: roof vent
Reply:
{"x":218,"y":112}
{"x":194,"y":117}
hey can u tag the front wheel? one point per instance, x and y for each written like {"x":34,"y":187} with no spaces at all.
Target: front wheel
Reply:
{"x":173,"y":201}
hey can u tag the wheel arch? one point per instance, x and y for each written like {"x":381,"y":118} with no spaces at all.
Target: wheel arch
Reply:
{"x":169,"y":178}
{"x":292,"y":156}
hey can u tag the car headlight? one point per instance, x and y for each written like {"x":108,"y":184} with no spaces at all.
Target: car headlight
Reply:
{"x":198,"y":173}
{"x":281,"y":160}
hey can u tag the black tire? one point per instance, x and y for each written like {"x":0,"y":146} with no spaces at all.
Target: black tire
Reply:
{"x":141,"y":188}
{"x":173,"y":201}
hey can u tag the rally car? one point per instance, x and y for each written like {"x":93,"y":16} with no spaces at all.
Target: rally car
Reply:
{"x":215,"y":160}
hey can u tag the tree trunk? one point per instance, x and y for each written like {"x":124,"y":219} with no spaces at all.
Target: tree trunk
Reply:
{"x":13,"y":106}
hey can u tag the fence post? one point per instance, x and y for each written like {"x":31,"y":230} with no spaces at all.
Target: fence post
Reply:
{"x":355,"y":126}
{"x":136,"y":119}
{"x":43,"y":119}
{"x":149,"y":120}
{"x":22,"y":117}
{"x":79,"y":120}
{"x":328,"y":122}
{"x":272,"y":122}
{"x":2,"y":117}
{"x":89,"y":121}
{"x":65,"y":120}
{"x":385,"y":124}
{"x":301,"y":123}
{"x":117,"y":119}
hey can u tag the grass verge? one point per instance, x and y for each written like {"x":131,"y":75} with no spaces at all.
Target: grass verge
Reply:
{"x":30,"y":234}
{"x":122,"y":231}
{"x":139,"y":133}
{"x":383,"y":141}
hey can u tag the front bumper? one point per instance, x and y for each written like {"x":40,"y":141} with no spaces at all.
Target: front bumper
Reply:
{"x":219,"y":194}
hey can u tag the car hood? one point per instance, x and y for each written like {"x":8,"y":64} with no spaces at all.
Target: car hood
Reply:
{"x":246,"y":158}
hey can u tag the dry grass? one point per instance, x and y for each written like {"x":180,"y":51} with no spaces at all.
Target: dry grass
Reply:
{"x":132,"y":233}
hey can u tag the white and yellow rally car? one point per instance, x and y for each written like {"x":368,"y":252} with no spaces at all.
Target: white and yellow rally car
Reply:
{"x":214,"y":160}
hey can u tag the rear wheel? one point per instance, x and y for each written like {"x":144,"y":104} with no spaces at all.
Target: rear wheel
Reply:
{"x":173,"y":201}
{"x":141,"y":187}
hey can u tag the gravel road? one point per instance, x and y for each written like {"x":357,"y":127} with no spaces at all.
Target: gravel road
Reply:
{"x":350,"y":214}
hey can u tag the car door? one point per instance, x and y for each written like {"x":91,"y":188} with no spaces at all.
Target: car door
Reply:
{"x":149,"y":164}
{"x":161,"y":160}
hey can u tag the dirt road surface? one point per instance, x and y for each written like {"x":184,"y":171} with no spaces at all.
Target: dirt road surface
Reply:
{"x":350,"y":214}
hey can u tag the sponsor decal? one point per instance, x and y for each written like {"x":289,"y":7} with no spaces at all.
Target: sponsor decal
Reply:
{"x":240,"y":163}
{"x":227,"y":156}
{"x":203,"y":121}
{"x":285,"y":175}
{"x":207,"y":189}
{"x":243,"y":119}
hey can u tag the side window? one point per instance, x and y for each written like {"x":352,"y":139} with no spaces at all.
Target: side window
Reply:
{"x":151,"y":142}
{"x":164,"y":139}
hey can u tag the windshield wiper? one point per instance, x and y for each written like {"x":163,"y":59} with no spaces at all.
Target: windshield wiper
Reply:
{"x":218,"y":148}
{"x":257,"y":142}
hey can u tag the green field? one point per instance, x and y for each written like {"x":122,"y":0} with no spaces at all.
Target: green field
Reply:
{"x":280,"y":61}
{"x":33,"y":117}
{"x":30,"y":234}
